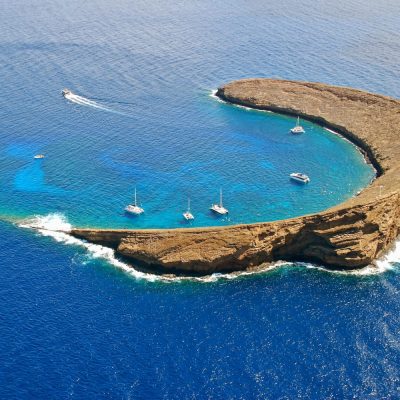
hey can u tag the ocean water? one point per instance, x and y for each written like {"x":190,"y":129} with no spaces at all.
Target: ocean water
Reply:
{"x":75,"y":322}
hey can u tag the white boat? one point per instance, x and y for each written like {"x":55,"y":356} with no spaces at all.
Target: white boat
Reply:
{"x":66,"y":92}
{"x":134,"y":208}
{"x":299,"y":177}
{"x":298,"y":128}
{"x":38,"y":156}
{"x":219,"y":208}
{"x":188,"y":215}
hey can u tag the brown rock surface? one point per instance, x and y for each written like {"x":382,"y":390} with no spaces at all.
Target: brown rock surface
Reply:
{"x":350,"y":235}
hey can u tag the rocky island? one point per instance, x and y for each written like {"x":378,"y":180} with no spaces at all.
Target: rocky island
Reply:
{"x":348,"y":236}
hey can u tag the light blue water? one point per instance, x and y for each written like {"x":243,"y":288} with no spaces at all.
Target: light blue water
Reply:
{"x":74,"y":326}
{"x":146,"y":118}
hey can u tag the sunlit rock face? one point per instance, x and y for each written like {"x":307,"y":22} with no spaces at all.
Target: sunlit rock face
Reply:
{"x":348,"y":236}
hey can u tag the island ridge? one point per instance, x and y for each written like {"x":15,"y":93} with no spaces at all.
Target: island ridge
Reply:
{"x":350,"y":235}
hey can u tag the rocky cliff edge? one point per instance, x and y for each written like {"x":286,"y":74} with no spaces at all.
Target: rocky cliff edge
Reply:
{"x":348,"y":236}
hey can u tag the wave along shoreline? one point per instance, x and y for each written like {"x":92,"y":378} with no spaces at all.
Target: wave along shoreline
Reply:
{"x":56,"y":226}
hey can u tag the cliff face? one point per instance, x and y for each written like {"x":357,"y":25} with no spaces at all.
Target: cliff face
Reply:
{"x":348,"y":236}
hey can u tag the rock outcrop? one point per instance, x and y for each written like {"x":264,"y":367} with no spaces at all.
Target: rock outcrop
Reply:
{"x":348,"y":236}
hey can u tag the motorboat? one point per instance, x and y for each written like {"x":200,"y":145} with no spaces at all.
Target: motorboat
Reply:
{"x":298,"y":129}
{"x":134,"y":208}
{"x":187,"y":214}
{"x":38,"y":156}
{"x":299,"y":177}
{"x":66,"y":92}
{"x":219,"y":208}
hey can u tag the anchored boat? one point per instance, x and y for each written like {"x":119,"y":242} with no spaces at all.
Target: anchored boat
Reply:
{"x":219,"y":208}
{"x":38,"y":156}
{"x":134,"y":208}
{"x":299,"y":177}
{"x":188,"y":215}
{"x":298,"y":129}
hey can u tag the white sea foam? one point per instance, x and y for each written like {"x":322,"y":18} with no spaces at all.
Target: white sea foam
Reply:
{"x":213,"y":94}
{"x":383,"y":264}
{"x":57,"y":226}
{"x":387,"y":261}
{"x":52,"y":223}
{"x":368,"y":270}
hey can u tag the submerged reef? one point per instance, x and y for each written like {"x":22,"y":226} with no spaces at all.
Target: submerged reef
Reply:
{"x":350,"y":235}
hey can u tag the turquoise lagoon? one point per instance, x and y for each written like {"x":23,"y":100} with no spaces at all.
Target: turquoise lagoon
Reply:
{"x":97,"y":151}
{"x":74,"y":326}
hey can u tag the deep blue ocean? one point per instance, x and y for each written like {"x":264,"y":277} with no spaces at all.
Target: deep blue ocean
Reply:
{"x":75,"y":322}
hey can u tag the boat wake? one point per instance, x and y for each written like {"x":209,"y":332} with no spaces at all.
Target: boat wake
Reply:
{"x":57,"y":227}
{"x":83,"y":101}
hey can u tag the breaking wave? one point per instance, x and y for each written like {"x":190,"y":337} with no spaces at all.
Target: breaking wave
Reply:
{"x":391,"y":257}
{"x":57,"y":226}
{"x":213,"y":94}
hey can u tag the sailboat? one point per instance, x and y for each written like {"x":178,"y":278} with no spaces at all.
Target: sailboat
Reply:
{"x":134,"y":208}
{"x":219,"y":208}
{"x":298,"y":128}
{"x":188,"y":215}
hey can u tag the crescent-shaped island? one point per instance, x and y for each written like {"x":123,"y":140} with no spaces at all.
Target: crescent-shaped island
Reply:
{"x":348,"y":236}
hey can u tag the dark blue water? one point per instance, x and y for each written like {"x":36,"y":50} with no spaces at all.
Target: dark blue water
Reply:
{"x":72,"y":325}
{"x":76,"y":328}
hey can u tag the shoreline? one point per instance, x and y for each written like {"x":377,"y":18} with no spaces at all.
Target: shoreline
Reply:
{"x":336,"y":130}
{"x":96,"y":252}
{"x":348,"y":236}
{"x":361,"y":150}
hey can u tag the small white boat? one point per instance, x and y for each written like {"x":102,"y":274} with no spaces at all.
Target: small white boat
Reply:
{"x":188,"y":215}
{"x":219,"y":208}
{"x":66,"y":92}
{"x":298,"y":128}
{"x":134,"y":208}
{"x":38,"y":156}
{"x":299,"y":177}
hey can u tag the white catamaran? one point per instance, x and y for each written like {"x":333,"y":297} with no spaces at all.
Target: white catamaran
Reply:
{"x":298,"y":128}
{"x":219,"y":208}
{"x":134,"y":208}
{"x":188,"y":215}
{"x":299,"y":177}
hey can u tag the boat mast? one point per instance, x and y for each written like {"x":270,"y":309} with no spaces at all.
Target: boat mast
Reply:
{"x":220,"y":198}
{"x":188,"y":204}
{"x":135,"y":196}
{"x":298,"y":121}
